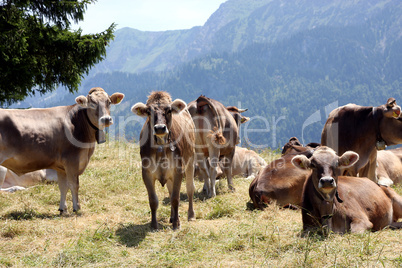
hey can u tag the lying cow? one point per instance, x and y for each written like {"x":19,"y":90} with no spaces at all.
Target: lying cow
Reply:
{"x":246,"y":163}
{"x":167,"y":151}
{"x":389,"y":169}
{"x":13,"y":182}
{"x":280,"y":181}
{"x":60,"y":138}
{"x":344,"y":204}
{"x":216,"y":137}
{"x":363,"y":130}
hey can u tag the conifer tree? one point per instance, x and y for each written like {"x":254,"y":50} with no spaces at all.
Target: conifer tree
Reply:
{"x":38,"y":49}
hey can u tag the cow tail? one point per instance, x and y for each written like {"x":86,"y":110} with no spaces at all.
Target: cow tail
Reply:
{"x":217,"y":136}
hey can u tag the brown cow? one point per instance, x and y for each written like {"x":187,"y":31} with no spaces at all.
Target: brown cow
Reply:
{"x":246,"y":163}
{"x":60,"y":138}
{"x":13,"y":182}
{"x":360,"y":129}
{"x":280,"y":180}
{"x":389,"y":169}
{"x":342,"y":204}
{"x":216,"y":137}
{"x":167,"y":151}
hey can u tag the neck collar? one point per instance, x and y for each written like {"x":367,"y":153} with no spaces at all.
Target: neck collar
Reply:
{"x":380,"y":142}
{"x":99,"y":134}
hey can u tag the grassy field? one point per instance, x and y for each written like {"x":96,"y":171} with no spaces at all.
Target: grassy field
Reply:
{"x":113,"y":227}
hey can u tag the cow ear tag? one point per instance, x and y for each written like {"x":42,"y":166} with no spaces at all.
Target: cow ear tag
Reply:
{"x":100,"y":136}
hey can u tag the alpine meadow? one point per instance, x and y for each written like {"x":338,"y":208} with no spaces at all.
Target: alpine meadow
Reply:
{"x":289,"y":63}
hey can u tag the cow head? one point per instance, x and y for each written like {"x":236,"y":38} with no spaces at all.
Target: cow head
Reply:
{"x":240,"y":119}
{"x":97,"y":104}
{"x":325,"y":166}
{"x":159,"y":109}
{"x":391,"y":109}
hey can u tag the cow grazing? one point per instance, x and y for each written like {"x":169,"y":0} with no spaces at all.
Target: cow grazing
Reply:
{"x":167,"y":151}
{"x":389,"y":169}
{"x":60,"y":138}
{"x":280,"y":181}
{"x":216,"y":138}
{"x":342,"y":204}
{"x":13,"y":182}
{"x":362,"y":129}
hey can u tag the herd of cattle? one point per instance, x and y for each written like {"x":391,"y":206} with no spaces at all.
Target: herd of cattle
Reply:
{"x":341,"y":184}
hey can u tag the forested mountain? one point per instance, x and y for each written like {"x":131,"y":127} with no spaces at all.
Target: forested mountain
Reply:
{"x":289,"y":62}
{"x":235,"y":25}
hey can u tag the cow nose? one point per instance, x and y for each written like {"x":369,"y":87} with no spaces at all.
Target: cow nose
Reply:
{"x":160,"y":129}
{"x":106,"y":120}
{"x":327,"y":182}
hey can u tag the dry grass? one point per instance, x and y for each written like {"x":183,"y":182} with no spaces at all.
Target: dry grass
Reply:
{"x":113,"y":230}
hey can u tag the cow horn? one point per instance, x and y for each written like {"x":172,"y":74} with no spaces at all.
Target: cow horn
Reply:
{"x":242,"y":110}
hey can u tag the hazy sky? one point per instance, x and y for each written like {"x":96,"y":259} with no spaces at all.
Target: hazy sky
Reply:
{"x":147,"y":15}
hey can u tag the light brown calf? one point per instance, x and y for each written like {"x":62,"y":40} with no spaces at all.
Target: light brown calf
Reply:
{"x":167,"y":151}
{"x":344,"y":204}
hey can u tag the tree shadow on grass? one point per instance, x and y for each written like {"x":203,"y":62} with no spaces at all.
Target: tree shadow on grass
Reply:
{"x":131,"y":235}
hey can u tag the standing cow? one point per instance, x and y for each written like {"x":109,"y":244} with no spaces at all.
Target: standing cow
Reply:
{"x":60,"y":138}
{"x":216,"y":138}
{"x":342,"y":204}
{"x":363,"y":130}
{"x":167,"y":151}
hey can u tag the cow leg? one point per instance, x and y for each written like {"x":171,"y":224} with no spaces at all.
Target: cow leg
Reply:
{"x":62,"y":180}
{"x":227,"y":164}
{"x":213,"y":171}
{"x":190,"y":187}
{"x":169,"y":185}
{"x":152,"y":197}
{"x":360,"y":225}
{"x":73,"y":184}
{"x":3,"y":172}
{"x":175,"y":199}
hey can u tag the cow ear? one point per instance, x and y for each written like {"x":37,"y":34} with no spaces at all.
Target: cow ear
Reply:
{"x":348,"y":159}
{"x":140,"y":109}
{"x":116,"y":98}
{"x":244,"y":119}
{"x":178,"y":105}
{"x":82,"y":101}
{"x":301,"y":161}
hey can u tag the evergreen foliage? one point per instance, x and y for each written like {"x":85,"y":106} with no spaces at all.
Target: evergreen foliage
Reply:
{"x":38,"y":49}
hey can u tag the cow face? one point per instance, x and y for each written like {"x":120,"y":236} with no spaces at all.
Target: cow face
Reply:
{"x":159,"y":115}
{"x":391,"y":109}
{"x":325,"y":166}
{"x":98,"y":103}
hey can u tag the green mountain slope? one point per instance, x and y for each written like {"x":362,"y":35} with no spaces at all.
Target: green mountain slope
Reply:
{"x":235,"y":25}
{"x":289,"y":62}
{"x":290,"y":85}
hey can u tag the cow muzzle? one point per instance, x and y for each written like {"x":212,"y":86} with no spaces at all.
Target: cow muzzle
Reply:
{"x":161,"y":133}
{"x":106,"y":121}
{"x":327,"y":187}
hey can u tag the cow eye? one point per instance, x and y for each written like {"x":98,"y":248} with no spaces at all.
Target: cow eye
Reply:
{"x":92,"y":105}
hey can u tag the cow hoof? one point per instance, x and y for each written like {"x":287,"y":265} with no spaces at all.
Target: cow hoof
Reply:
{"x":62,"y":211}
{"x":176,"y":226}
{"x":191,"y":218}
{"x":232,"y":189}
